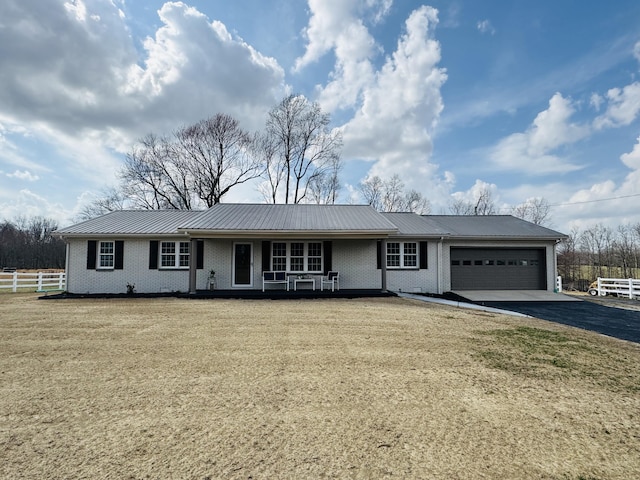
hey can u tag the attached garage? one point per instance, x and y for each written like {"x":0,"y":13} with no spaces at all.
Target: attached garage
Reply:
{"x":498,"y":269}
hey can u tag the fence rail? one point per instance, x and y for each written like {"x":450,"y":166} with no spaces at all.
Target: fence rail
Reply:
{"x":40,"y":281}
{"x":628,"y":287}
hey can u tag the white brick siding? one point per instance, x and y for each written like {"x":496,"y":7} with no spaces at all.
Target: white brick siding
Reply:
{"x":135,"y":271}
{"x":414,"y":280}
{"x":354,"y":259}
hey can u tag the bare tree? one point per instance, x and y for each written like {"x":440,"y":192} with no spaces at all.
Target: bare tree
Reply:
{"x":195,"y":167}
{"x":111,"y":199}
{"x":625,"y":250}
{"x":29,"y":243}
{"x":265,"y":149}
{"x":390,"y":196}
{"x":597,"y":242}
{"x":482,"y":205}
{"x":415,"y":202}
{"x":325,"y":186}
{"x":372,"y":189}
{"x":534,"y":210}
{"x":569,"y":261}
{"x":155,"y":177}
{"x":217,"y":156}
{"x":307,"y":149}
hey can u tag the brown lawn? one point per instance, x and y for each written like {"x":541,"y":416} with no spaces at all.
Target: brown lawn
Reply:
{"x":169,"y":388}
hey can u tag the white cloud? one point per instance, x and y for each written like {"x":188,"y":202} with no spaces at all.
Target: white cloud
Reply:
{"x":400,"y":108}
{"x":23,"y":175}
{"x":596,"y":101}
{"x":532,"y":151}
{"x":484,"y":26}
{"x":339,"y":26}
{"x":623,"y":108}
{"x":606,"y":202}
{"x":336,"y":23}
{"x":26,"y":203}
{"x":75,"y":84}
{"x":478,"y":188}
{"x":632,"y":159}
{"x":79,"y":70}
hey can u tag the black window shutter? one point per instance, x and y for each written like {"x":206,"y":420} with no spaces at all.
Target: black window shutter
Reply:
{"x":119,"y":258}
{"x":379,"y":255}
{"x":266,"y":256}
{"x":327,"y":246}
{"x":423,"y":255}
{"x":153,"y":255}
{"x":199,"y":254}
{"x":92,"y":247}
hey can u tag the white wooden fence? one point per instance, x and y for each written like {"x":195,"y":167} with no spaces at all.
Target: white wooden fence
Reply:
{"x":627,"y":287}
{"x":40,"y":281}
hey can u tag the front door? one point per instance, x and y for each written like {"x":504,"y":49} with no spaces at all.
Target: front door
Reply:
{"x":242,"y":265}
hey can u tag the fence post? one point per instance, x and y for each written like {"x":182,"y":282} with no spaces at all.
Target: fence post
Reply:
{"x":15,"y":282}
{"x":599,"y":287}
{"x":631,"y":288}
{"x":39,"y":280}
{"x":61,"y":275}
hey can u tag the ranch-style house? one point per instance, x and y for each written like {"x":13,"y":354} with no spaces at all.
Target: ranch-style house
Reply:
{"x":266,"y":246}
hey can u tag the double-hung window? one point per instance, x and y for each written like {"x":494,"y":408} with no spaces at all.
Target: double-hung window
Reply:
{"x":402,"y":255}
{"x":106,"y":258}
{"x":279,"y":256}
{"x":297,"y":257}
{"x":314,"y":257}
{"x":174,"y":254}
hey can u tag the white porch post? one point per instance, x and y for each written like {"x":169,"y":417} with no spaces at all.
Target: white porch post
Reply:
{"x":193,"y":258}
{"x":383,"y":263}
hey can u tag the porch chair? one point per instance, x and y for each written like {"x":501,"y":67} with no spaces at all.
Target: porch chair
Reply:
{"x":332,"y":278}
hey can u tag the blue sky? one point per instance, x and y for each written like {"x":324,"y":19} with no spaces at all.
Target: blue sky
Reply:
{"x":527,"y":99}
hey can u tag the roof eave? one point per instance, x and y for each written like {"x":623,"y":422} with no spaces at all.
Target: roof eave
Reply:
{"x":364,"y":234}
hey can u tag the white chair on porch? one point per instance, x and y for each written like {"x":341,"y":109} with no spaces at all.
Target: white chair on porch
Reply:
{"x":331,"y":278}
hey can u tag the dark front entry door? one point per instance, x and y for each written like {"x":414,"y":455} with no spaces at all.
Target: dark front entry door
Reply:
{"x":243,"y":265}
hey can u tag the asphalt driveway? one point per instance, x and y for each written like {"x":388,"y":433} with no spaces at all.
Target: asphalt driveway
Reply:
{"x":611,"y":321}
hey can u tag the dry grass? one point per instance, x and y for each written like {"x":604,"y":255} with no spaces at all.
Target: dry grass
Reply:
{"x":170,"y":388}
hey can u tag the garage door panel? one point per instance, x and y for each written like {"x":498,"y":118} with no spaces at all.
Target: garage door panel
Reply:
{"x":498,"y":269}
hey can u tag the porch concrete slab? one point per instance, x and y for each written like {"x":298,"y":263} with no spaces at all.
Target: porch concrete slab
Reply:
{"x":514,"y":296}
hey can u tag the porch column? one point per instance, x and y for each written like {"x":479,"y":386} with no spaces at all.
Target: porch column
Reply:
{"x":193,"y":255}
{"x":383,"y":263}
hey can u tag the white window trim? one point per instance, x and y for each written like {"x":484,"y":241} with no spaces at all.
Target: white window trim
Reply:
{"x":112,"y":255}
{"x":305,"y":256}
{"x":176,"y":255}
{"x":402,"y":255}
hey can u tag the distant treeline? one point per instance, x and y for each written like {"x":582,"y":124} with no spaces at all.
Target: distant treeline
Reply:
{"x":27,"y":243}
{"x":599,"y":251}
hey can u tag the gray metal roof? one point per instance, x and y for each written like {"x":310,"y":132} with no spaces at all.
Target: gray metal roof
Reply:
{"x":255,"y":219}
{"x":412,"y":224}
{"x":301,"y":218}
{"x":132,"y":222}
{"x":496,"y":226}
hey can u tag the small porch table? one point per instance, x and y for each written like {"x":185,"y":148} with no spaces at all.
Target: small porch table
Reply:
{"x":310,"y":280}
